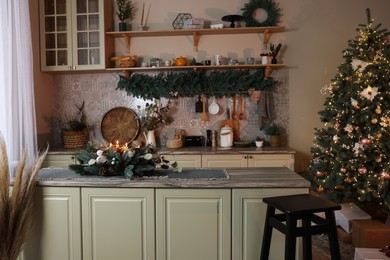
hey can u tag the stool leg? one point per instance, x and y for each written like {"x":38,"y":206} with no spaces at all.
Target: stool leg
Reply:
{"x":290,"y":243}
{"x":332,"y":235}
{"x":307,"y":254}
{"x":267,"y":235}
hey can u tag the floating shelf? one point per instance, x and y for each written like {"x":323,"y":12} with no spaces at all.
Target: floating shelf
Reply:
{"x":268,"y":68}
{"x":196,"y":33}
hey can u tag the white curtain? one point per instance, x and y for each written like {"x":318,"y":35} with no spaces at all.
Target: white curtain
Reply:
{"x":17,"y":112}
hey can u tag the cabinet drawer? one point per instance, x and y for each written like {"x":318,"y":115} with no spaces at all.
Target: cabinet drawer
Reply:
{"x":59,"y":160}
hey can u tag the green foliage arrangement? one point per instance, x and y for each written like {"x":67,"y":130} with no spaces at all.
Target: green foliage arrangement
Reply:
{"x":125,"y":7}
{"x":155,"y":116}
{"x":190,"y":83}
{"x":129,"y":161}
{"x":272,"y":129}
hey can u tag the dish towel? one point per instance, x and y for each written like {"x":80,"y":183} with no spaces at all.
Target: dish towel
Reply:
{"x":264,"y":109}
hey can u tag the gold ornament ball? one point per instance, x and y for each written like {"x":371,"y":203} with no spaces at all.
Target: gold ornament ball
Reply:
{"x":320,"y":189}
{"x":349,"y":180}
{"x":374,"y":121}
{"x":320,"y":174}
{"x":379,"y":135}
{"x":378,"y":159}
{"x":343,"y":170}
{"x":378,"y":110}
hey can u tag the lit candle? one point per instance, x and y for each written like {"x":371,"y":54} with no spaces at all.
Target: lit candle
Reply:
{"x":142,"y":16}
{"x":117,"y":144}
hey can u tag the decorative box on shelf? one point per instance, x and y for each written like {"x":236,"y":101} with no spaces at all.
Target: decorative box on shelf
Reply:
{"x":349,"y":212}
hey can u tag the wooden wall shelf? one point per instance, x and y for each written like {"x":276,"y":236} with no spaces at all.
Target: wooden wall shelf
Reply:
{"x":268,"y":68}
{"x":196,"y":33}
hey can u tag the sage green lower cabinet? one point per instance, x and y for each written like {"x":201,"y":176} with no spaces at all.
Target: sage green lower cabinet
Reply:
{"x":248,"y":160}
{"x":185,"y":160}
{"x":248,"y":216}
{"x":59,"y":160}
{"x":193,"y":224}
{"x":118,"y":224}
{"x":56,"y":230}
{"x":224,"y":160}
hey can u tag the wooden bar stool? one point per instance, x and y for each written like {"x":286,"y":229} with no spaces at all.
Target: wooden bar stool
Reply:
{"x":300,"y":207}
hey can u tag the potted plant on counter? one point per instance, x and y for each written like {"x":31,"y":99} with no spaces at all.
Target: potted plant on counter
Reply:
{"x":273,"y":131}
{"x":75,"y":130}
{"x":125,"y":7}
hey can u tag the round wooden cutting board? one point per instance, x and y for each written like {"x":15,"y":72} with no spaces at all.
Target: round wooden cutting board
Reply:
{"x":120,"y":125}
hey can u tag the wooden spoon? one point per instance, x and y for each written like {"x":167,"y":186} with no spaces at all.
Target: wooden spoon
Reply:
{"x":241,"y":115}
{"x":204,"y":116}
{"x":234,"y":114}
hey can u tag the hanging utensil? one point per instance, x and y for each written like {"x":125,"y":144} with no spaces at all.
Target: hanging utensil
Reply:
{"x":198,"y":105}
{"x":214,"y":107}
{"x":204,"y":116}
{"x":234,"y":114}
{"x":241,"y":115}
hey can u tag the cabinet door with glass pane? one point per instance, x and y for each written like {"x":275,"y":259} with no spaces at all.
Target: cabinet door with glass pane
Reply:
{"x":72,"y":35}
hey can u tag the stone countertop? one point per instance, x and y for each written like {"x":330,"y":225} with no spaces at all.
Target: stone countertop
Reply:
{"x":206,"y":150}
{"x":262,"y":177}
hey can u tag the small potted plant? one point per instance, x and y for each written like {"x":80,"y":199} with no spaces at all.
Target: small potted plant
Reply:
{"x":259,"y":142}
{"x":125,"y":7}
{"x":274,"y":52}
{"x":75,"y":130}
{"x":273,"y":131}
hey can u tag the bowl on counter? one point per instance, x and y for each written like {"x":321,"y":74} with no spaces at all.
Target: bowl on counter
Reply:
{"x":174,"y":143}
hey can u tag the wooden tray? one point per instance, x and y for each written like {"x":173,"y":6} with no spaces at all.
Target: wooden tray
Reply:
{"x":120,"y":125}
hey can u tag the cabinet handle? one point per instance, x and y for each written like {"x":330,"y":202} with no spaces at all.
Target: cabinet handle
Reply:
{"x":250,"y":157}
{"x":245,"y":157}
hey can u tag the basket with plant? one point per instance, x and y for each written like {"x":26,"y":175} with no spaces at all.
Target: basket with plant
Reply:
{"x":74,"y":129}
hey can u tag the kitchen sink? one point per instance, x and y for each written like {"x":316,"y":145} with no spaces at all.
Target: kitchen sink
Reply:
{"x":196,"y":173}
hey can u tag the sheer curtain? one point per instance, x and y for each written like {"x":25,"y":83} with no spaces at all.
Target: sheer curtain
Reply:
{"x":17,"y":112}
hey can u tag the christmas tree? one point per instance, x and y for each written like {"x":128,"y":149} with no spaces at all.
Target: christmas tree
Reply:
{"x":351,"y":154}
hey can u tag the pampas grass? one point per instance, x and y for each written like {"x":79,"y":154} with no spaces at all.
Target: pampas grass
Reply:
{"x":16,"y":207}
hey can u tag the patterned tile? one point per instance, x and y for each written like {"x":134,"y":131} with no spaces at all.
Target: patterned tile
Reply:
{"x":100,"y":94}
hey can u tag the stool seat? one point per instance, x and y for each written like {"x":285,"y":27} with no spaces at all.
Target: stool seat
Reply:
{"x":300,"y":207}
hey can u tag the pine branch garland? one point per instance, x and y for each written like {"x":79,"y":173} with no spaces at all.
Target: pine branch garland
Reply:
{"x":190,"y":83}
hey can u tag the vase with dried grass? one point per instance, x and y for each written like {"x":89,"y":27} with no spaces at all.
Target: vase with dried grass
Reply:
{"x":16,"y":206}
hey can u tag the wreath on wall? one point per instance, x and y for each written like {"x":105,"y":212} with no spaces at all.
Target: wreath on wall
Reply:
{"x":272,"y":9}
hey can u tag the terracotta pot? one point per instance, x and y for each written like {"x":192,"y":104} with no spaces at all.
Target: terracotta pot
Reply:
{"x":274,"y":140}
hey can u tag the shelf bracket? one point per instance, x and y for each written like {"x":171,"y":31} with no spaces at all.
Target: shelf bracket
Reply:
{"x":127,"y":41}
{"x":267,"y":72}
{"x":267,"y":36}
{"x":196,"y":41}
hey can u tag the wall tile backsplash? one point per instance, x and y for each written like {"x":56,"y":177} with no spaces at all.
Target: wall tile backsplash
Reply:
{"x":98,"y":90}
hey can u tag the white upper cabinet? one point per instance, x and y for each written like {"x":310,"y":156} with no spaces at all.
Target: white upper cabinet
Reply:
{"x":72,"y":34}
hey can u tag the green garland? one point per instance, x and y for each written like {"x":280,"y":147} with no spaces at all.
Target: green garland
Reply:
{"x":272,"y":9}
{"x":190,"y":83}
